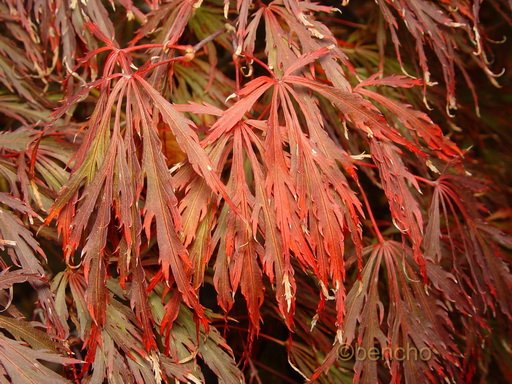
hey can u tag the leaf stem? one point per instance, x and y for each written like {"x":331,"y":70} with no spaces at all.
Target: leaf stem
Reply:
{"x":370,"y":213}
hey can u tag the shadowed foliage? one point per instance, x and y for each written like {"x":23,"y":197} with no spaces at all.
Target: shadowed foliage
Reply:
{"x":255,"y":191}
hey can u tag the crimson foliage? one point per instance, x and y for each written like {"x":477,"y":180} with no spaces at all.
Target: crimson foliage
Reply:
{"x":249,"y":190}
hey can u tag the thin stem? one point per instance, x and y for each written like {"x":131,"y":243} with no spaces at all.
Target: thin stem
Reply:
{"x":370,"y":213}
{"x":426,"y":181}
{"x":256,"y":60}
{"x":142,"y":46}
{"x":163,"y":62}
{"x":208,"y":39}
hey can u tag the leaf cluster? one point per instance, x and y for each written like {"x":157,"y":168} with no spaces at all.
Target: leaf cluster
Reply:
{"x":241,"y":190}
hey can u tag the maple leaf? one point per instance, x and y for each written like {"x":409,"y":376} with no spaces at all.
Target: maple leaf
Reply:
{"x":300,"y":215}
{"x":22,"y":249}
{"x":454,"y":211}
{"x":445,"y":30}
{"x":9,"y":278}
{"x":415,"y":121}
{"x":160,"y":202}
{"x":414,"y":322}
{"x":20,"y":364}
{"x":236,"y":190}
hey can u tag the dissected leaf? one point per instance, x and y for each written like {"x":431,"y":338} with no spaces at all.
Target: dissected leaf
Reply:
{"x":22,"y":364}
{"x":243,"y":191}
